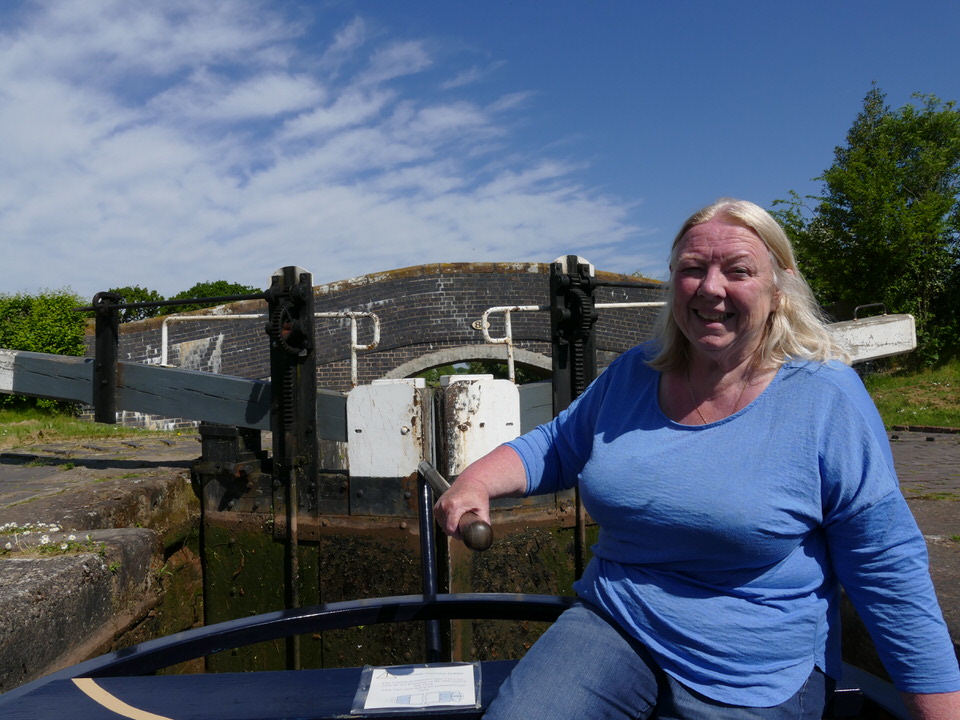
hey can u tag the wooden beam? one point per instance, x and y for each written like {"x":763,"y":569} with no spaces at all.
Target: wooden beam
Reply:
{"x":59,"y":377}
{"x":876,"y":337}
{"x":193,"y":395}
{"x":156,"y":390}
{"x":149,"y":389}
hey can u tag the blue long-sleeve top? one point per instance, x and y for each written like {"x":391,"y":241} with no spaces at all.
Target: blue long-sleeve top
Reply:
{"x":722,"y":547}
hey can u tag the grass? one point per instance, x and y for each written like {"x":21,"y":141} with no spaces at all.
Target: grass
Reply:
{"x":29,"y":427}
{"x":929,"y":397}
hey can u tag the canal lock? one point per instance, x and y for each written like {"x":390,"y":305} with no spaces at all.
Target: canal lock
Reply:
{"x":356,"y":525}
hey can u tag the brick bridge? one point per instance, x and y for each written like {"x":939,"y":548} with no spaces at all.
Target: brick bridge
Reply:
{"x":429,"y":316}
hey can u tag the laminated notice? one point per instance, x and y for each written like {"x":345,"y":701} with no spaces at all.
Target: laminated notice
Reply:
{"x":398,"y":688}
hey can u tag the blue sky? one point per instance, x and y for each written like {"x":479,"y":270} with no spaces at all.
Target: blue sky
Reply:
{"x":163,"y":143}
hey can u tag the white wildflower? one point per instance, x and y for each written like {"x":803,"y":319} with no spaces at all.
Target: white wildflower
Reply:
{"x":71,"y":538}
{"x":63,"y":546}
{"x":9,"y":546}
{"x":44,"y":539}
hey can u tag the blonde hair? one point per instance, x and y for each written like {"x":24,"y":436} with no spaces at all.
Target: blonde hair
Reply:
{"x":796,"y":329}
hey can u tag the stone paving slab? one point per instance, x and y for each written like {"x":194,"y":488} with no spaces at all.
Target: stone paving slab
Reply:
{"x":928,"y":463}
{"x":47,"y":470}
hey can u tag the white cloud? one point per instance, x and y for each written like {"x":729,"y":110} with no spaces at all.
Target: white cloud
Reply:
{"x":352,"y":107}
{"x":210,"y":97}
{"x":470,"y":75}
{"x":395,"y":60}
{"x":154,"y":37}
{"x":345,"y":43}
{"x":168,"y":142}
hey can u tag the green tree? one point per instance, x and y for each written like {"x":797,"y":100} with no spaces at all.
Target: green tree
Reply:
{"x":217,"y":288}
{"x":523,"y":374}
{"x":43,"y":323}
{"x":137,"y":294}
{"x":887,"y":226}
{"x":433,"y":375}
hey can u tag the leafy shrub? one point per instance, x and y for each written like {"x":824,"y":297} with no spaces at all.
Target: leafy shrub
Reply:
{"x":45,"y":323}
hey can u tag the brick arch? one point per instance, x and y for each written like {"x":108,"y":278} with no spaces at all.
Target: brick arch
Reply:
{"x":426,"y":312}
{"x":432,"y":310}
{"x":467,"y":353}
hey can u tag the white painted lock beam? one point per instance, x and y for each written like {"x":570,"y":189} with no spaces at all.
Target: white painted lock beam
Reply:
{"x":876,"y":337}
{"x":385,"y":428}
{"x":479,"y":414}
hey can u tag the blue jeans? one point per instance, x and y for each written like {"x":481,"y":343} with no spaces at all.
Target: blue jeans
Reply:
{"x":586,"y":668}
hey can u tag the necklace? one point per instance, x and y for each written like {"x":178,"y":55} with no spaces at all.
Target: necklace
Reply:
{"x":736,"y":405}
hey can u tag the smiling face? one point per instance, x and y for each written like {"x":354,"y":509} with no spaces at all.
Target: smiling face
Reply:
{"x":724,"y":290}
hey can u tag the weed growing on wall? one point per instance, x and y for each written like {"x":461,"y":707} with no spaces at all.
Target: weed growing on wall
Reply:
{"x":45,"y":539}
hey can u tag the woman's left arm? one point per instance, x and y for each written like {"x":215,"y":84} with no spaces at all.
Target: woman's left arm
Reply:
{"x":879,"y":554}
{"x":933,"y":706}
{"x":880,"y":558}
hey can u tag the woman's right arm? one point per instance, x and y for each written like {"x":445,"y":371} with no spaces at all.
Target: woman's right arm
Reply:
{"x":499,"y":473}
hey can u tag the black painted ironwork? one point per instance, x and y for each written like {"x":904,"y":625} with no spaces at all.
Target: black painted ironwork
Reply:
{"x":572,"y":315}
{"x":428,"y":566}
{"x":293,"y":372}
{"x":106,"y":342}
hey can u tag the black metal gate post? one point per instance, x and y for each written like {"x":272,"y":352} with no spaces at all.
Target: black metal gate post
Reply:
{"x":572,"y":315}
{"x":293,"y":370}
{"x":106,"y":343}
{"x":428,"y":565}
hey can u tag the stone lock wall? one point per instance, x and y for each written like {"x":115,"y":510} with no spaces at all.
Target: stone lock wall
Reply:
{"x":429,"y":316}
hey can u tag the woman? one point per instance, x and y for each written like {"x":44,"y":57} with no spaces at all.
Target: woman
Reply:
{"x":739,"y":474}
